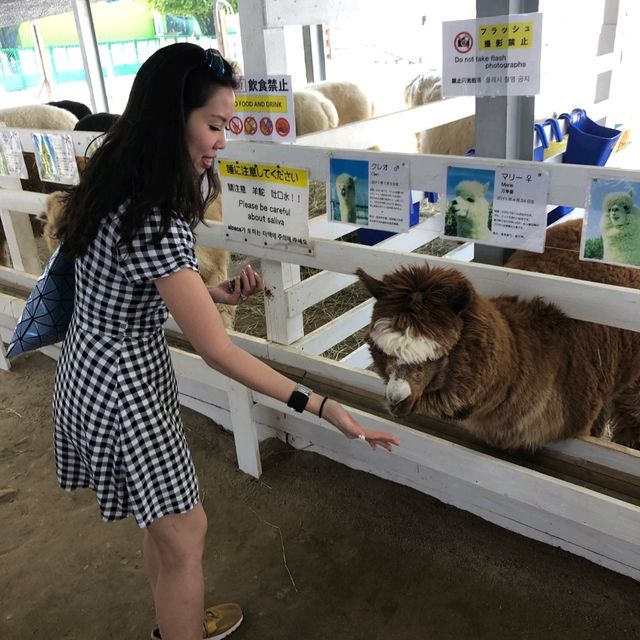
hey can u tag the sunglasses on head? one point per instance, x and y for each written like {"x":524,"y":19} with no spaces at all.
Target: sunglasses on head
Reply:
{"x":214,"y":61}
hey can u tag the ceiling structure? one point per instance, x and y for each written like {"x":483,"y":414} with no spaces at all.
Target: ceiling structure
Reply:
{"x":13,"y":12}
{"x":16,"y":11}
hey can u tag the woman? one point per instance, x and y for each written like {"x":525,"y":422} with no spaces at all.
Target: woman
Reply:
{"x":129,"y":222}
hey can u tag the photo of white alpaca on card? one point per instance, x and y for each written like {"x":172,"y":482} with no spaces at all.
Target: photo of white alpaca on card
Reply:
{"x":470,"y":209}
{"x":620,"y":225}
{"x":346,"y":192}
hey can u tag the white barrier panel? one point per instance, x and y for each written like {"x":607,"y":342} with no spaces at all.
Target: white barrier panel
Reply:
{"x":584,"y":521}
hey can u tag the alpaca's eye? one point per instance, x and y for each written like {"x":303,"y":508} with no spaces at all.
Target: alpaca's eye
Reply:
{"x":471,"y":200}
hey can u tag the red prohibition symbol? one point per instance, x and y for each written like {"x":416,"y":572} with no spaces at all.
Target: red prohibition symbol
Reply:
{"x":463,"y":42}
{"x":282,"y":127}
{"x":250,"y":125}
{"x":235,"y":125}
{"x":266,"y":126}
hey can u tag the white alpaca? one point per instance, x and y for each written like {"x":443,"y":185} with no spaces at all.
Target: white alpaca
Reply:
{"x":313,"y":111}
{"x":453,"y":138}
{"x":620,"y":227}
{"x":38,"y":116}
{"x":471,"y":210}
{"x":350,"y":101}
{"x":346,"y":192}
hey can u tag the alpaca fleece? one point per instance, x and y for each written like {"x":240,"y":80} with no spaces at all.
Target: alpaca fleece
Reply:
{"x":38,"y":116}
{"x":313,"y":111}
{"x":349,"y":99}
{"x":453,"y":138}
{"x":517,"y":373}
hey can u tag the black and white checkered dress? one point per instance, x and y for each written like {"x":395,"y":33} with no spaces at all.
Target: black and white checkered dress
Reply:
{"x":117,"y":427}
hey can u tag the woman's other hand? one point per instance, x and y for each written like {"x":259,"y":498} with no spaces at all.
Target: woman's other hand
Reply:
{"x":238,"y":289}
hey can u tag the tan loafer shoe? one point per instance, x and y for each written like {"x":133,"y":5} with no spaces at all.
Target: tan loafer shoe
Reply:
{"x":219,"y":621}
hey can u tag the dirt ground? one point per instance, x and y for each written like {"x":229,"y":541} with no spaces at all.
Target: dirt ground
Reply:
{"x":312,"y":550}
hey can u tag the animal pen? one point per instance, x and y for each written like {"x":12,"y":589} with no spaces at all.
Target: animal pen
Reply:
{"x":582,"y":495}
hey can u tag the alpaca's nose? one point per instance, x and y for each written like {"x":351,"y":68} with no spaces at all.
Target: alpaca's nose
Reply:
{"x":396,"y":392}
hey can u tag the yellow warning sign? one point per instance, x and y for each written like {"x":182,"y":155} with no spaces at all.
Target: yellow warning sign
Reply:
{"x":509,"y":35}
{"x":261,"y":102}
{"x":267,"y":172}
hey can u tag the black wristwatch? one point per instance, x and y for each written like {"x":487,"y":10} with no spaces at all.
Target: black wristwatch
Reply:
{"x":299,"y":398}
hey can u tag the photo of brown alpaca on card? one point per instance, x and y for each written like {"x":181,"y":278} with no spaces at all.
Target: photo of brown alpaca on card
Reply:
{"x":517,"y":373}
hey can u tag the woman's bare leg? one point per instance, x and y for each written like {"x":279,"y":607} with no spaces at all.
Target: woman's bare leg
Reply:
{"x":151,"y":561}
{"x":173,"y":548}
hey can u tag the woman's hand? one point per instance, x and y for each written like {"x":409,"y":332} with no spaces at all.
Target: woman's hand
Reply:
{"x":238,"y":289}
{"x":342,"y":420}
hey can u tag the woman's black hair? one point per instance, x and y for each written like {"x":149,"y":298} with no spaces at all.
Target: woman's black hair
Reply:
{"x":144,"y":157}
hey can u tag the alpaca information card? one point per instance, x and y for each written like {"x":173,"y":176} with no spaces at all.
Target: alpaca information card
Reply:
{"x":11,"y":158}
{"x":611,"y":230}
{"x":55,"y":158}
{"x":505,"y":207}
{"x":373,"y":194}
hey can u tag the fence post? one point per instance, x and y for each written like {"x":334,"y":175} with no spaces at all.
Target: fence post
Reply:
{"x":245,"y":434}
{"x":278,"y":276}
{"x":4,"y":363}
{"x":17,"y":228}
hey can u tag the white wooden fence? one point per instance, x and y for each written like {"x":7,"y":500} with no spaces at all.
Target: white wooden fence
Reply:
{"x":586,"y":521}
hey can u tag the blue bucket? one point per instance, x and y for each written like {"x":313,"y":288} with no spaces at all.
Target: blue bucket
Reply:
{"x":588,"y":141}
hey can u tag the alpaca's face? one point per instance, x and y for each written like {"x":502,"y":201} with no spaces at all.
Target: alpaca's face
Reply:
{"x":346,"y":187}
{"x":618,"y":209}
{"x":415,"y":324}
{"x":406,"y":382}
{"x":470,"y":197}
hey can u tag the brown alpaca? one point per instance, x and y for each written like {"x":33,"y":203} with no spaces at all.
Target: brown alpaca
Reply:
{"x":517,"y":373}
{"x":213,"y":263}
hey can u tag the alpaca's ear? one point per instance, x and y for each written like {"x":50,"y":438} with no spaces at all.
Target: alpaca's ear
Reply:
{"x":373,"y":286}
{"x":460,"y":297}
{"x":485,"y":186}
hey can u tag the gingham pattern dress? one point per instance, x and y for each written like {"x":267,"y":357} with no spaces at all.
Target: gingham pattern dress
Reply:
{"x":117,"y":426}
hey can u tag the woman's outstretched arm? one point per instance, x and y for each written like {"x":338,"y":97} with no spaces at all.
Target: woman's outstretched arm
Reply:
{"x":192,"y":307}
